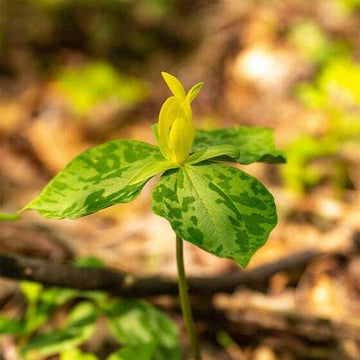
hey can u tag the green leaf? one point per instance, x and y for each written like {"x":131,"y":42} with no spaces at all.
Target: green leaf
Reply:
{"x":10,"y":326}
{"x":134,"y":352}
{"x":76,"y":354}
{"x":31,"y":290}
{"x":112,"y":173}
{"x":136,"y":323}
{"x":80,"y":327}
{"x":219,"y":208}
{"x":55,"y":297}
{"x":90,"y":261}
{"x":174,"y":85}
{"x":39,"y":307}
{"x":253,"y":143}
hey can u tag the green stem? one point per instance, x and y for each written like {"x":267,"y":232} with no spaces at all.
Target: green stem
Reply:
{"x":184,"y":300}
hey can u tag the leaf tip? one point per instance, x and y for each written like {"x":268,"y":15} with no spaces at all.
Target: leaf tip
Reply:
{"x":10,"y":217}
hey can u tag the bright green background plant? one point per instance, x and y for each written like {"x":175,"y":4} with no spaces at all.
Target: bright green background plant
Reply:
{"x":103,"y":83}
{"x":141,"y":330}
{"x":335,"y":94}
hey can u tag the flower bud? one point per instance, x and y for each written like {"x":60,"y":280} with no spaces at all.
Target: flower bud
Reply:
{"x":176,"y":131}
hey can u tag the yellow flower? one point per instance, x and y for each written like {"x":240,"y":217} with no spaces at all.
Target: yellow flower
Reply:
{"x":176,"y":131}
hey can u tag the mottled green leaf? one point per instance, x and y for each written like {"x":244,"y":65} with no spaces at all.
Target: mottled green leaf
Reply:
{"x":135,"y":323}
{"x":10,"y":326}
{"x":134,"y":352}
{"x":79,"y":328}
{"x":112,"y":173}
{"x":253,"y":143}
{"x":219,"y":208}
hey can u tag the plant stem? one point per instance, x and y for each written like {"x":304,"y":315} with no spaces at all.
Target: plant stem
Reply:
{"x":184,"y":300}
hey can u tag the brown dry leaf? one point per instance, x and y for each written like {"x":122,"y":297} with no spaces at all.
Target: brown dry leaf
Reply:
{"x":18,"y":109}
{"x":324,"y":290}
{"x":55,"y":140}
{"x":8,"y":348}
{"x":264,"y":353}
{"x":328,"y":298}
{"x":11,"y":116}
{"x":351,"y":349}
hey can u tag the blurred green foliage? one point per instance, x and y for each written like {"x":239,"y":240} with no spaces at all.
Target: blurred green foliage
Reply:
{"x":141,"y":330}
{"x":335,"y":87}
{"x":335,"y":92}
{"x":88,"y":86}
{"x":350,"y":4}
{"x":134,"y":323}
{"x":76,"y":354}
{"x":224,"y":339}
{"x":314,"y":45}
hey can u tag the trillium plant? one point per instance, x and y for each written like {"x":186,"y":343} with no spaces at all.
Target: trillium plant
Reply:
{"x":208,"y":203}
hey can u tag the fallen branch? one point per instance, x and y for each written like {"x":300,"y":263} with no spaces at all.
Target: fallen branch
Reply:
{"x":122,"y":284}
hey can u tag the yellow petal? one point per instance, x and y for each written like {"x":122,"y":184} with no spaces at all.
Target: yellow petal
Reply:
{"x":174,"y":85}
{"x":181,"y":138}
{"x":168,"y":113}
{"x":194,"y":92}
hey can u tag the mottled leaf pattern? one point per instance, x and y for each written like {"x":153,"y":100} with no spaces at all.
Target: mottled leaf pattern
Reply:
{"x":216,"y":207}
{"x":112,"y":173}
{"x":253,"y":143}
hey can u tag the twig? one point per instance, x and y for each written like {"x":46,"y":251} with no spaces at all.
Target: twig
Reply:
{"x":123,"y":284}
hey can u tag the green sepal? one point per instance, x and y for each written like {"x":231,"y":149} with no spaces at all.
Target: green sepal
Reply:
{"x":105,"y":175}
{"x":218,"y":208}
{"x":212,"y":152}
{"x":253,"y":143}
